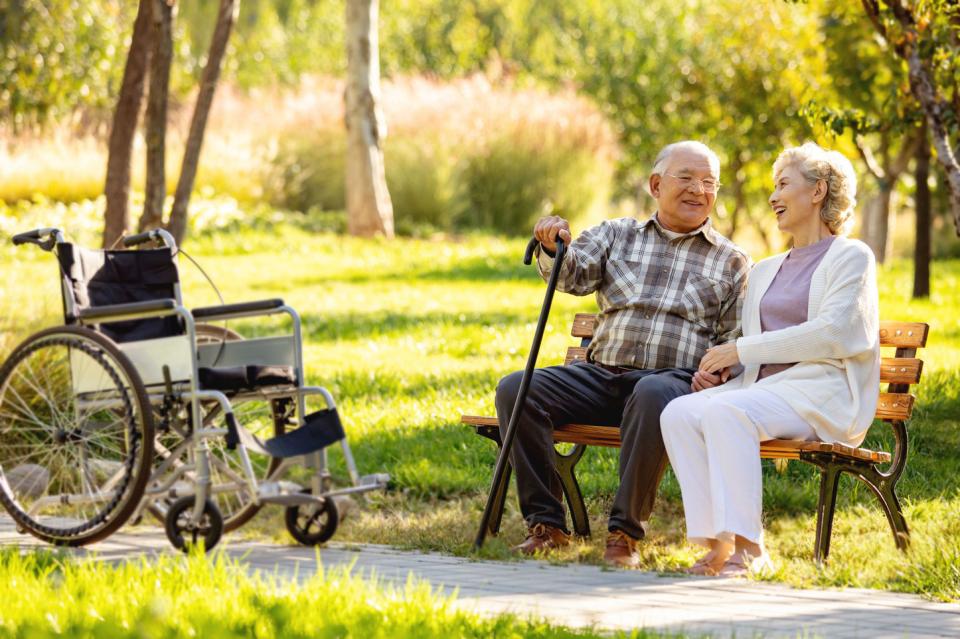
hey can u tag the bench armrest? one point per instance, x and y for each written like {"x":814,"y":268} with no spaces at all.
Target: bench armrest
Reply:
{"x":236,"y":310}
{"x":133,"y":310}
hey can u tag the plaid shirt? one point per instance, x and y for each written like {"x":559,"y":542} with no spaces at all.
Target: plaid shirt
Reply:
{"x":663,"y":302}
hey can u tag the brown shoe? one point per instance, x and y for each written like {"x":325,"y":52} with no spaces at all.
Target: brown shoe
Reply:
{"x":621,"y":550}
{"x":542,"y":537}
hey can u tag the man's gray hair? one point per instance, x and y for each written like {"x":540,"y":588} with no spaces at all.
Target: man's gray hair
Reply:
{"x":689,"y":145}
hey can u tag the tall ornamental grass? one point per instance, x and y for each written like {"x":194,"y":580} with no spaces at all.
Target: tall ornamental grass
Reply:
{"x":459,"y":155}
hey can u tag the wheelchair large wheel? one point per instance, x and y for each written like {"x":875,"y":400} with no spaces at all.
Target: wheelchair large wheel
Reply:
{"x":76,"y":436}
{"x":264,"y":418}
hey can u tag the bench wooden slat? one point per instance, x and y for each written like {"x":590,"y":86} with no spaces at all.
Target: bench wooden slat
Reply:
{"x":900,"y":370}
{"x":895,"y":406}
{"x":903,"y":334}
{"x":893,"y":370}
{"x":583,"y":324}
{"x":896,"y":334}
{"x":575,"y":354}
{"x":609,"y":436}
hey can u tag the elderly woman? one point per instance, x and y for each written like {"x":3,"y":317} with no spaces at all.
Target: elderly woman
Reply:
{"x":810,"y":356}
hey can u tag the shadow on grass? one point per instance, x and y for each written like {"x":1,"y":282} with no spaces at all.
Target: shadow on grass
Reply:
{"x":481,"y":270}
{"x":357,"y":325}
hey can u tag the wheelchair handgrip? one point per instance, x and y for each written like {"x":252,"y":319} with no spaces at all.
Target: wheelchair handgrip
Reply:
{"x":532,"y":246}
{"x":139,"y":238}
{"x":29,"y":236}
{"x":35,"y":237}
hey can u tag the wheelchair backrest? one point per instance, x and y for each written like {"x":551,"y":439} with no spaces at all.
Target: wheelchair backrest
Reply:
{"x":103,"y":277}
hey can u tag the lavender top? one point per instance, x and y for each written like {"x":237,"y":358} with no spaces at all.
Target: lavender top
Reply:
{"x":785,"y":302}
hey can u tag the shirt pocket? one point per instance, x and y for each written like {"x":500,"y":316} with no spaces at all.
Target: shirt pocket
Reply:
{"x":701,"y":300}
{"x":625,"y":282}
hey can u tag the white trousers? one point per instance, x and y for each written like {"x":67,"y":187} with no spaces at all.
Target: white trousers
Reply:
{"x":714,"y":449}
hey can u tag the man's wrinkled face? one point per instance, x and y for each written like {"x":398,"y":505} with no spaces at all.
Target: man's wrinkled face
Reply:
{"x":685,"y":190}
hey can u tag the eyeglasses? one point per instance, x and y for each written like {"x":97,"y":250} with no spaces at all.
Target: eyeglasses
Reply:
{"x":708,"y":185}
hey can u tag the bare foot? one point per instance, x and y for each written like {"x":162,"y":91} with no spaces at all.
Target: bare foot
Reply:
{"x":711,"y":563}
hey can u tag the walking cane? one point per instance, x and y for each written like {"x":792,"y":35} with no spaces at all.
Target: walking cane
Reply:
{"x":507,"y":438}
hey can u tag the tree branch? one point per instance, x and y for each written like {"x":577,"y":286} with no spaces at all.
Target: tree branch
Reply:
{"x":872,"y":9}
{"x":871,"y":162}
{"x":907,"y":151}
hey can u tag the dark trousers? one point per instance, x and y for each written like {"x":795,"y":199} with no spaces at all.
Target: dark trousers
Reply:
{"x":585,"y":393}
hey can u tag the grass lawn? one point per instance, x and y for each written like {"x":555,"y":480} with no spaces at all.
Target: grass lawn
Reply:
{"x":217,"y":598}
{"x":409,"y":334}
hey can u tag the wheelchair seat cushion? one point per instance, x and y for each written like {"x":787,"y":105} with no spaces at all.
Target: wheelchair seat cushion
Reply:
{"x":234,"y":379}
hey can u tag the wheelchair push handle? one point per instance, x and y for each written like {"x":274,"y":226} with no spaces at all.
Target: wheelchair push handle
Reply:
{"x":152,"y":235}
{"x":36,"y":236}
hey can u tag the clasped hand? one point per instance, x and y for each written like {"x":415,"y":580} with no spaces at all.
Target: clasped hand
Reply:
{"x":715,"y":366}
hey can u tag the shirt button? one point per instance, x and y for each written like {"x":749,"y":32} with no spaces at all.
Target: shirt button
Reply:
{"x":647,"y":315}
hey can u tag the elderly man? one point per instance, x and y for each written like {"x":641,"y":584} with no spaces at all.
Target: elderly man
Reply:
{"x":668,"y":289}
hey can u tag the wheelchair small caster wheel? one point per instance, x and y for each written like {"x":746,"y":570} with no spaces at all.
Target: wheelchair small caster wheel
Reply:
{"x":184,"y":535}
{"x":312,"y":524}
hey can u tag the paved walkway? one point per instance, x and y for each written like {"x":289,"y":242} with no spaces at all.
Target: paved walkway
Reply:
{"x":588,"y":595}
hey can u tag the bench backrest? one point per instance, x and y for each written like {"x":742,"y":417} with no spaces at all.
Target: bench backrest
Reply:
{"x":899,"y":372}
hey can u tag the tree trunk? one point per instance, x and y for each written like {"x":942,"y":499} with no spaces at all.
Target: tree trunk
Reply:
{"x":369,"y":209}
{"x":156,"y":124}
{"x":874,"y":230}
{"x":226,"y":17}
{"x":921,"y":251}
{"x":922,"y":87}
{"x":116,"y":219}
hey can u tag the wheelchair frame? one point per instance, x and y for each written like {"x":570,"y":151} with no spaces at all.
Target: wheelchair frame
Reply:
{"x":174,"y":384}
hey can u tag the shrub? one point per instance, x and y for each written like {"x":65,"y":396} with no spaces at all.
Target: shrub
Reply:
{"x":459,"y":155}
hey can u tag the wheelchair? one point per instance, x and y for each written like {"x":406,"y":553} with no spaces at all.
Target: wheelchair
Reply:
{"x":139,"y":406}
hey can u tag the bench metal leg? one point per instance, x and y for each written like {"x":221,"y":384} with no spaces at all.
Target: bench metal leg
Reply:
{"x":566,"y":464}
{"x":885,"y":489}
{"x":883,"y":486}
{"x":829,"y":481}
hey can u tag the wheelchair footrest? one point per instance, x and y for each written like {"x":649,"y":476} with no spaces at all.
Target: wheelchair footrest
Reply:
{"x":284,"y":493}
{"x":320,"y":429}
{"x":376,"y":480}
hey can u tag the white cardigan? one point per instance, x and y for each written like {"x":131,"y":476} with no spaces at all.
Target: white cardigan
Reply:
{"x":835,"y":384}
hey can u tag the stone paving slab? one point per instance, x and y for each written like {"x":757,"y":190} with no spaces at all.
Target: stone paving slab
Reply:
{"x":577,"y":595}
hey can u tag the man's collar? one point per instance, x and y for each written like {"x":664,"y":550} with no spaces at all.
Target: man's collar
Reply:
{"x":706,"y":229}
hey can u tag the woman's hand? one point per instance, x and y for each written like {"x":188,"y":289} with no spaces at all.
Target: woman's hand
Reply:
{"x":720,"y":357}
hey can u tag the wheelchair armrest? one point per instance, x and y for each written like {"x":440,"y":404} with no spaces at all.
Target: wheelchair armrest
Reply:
{"x":232,"y":310}
{"x":126,"y":311}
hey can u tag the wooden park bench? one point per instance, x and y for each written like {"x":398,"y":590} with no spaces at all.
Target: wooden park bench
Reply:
{"x":893,"y":408}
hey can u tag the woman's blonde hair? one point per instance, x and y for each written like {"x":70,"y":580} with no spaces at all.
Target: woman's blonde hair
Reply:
{"x":817,"y":163}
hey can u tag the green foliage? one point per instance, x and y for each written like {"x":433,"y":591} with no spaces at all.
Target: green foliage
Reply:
{"x":58,"y":55}
{"x":274,"y":41}
{"x":869,"y":93}
{"x":660,"y":71}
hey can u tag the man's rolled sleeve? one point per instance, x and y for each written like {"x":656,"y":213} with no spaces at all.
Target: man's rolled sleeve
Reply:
{"x":583,"y":264}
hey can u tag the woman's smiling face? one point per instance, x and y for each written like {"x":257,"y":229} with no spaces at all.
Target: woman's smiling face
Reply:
{"x":794,"y":199}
